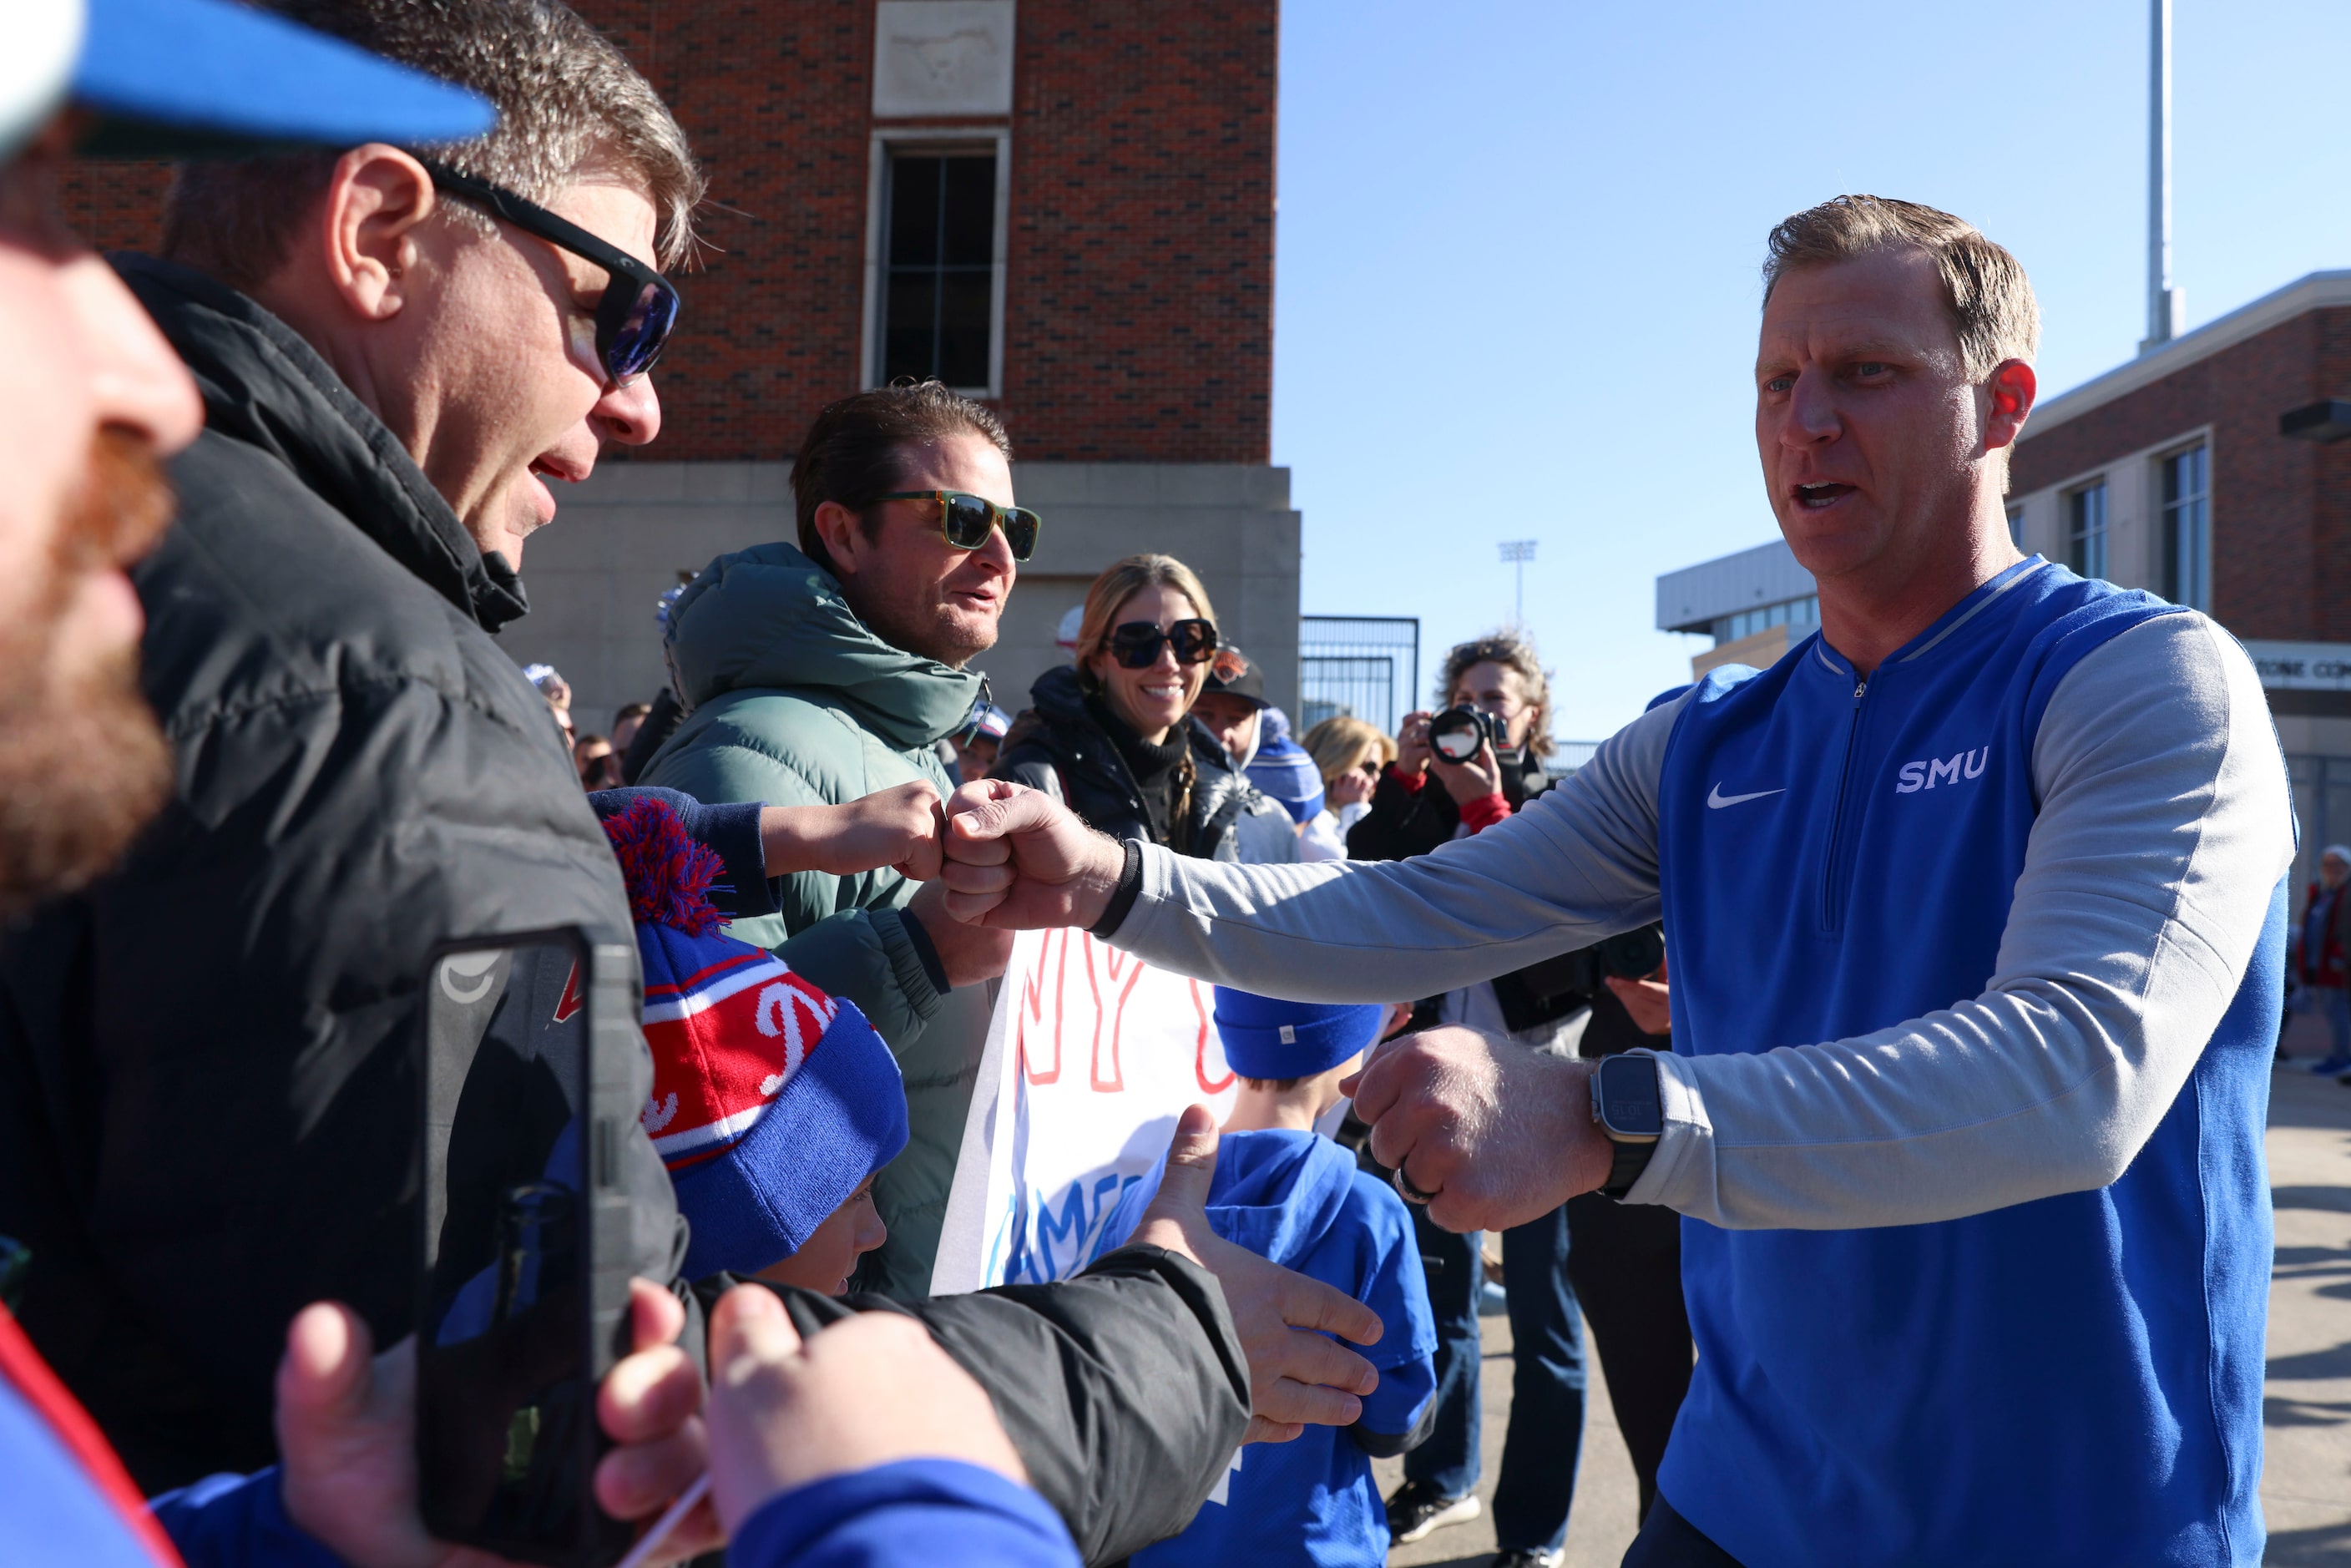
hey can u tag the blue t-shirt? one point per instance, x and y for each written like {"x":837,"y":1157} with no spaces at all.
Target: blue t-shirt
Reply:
{"x":1299,"y":1200}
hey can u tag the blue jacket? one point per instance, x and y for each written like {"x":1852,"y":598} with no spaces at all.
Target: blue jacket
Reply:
{"x":1299,"y":1200}
{"x":2143,"y":1300}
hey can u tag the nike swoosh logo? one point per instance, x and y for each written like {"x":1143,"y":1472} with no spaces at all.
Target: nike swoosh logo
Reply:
{"x":1717,"y":800}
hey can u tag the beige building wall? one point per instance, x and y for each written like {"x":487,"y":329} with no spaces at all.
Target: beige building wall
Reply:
{"x":624,"y":537}
{"x":1761,"y":648}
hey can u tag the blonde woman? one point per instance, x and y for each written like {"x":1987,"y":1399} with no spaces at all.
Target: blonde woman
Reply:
{"x":1348,"y":753}
{"x":1111,"y":736}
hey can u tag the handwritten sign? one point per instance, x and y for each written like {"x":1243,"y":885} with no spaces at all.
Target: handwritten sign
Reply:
{"x":1091,"y":1055}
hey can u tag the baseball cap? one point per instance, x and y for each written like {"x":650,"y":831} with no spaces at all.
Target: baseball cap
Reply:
{"x":1235,"y":675}
{"x":181,"y":77}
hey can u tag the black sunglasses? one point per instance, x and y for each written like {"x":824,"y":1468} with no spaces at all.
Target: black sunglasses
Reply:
{"x":966,"y":519}
{"x":634,"y":318}
{"x":1136,"y":644}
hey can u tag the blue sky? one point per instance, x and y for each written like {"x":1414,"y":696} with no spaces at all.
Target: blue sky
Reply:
{"x":1516,"y":292}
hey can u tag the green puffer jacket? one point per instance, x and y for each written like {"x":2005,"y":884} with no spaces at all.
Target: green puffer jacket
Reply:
{"x":791,"y":701}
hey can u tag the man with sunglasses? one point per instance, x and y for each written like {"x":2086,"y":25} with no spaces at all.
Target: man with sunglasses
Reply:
{"x":398,"y":355}
{"x":816,"y":674}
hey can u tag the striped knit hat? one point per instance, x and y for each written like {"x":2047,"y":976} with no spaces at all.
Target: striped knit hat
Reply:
{"x":772,"y":1102}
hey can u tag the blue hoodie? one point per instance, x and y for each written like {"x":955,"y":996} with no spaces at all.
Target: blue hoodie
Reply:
{"x":1299,"y":1199}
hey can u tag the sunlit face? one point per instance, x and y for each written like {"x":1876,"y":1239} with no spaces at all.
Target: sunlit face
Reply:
{"x":1871,"y":435}
{"x":1501,"y":691}
{"x":1153,"y":699}
{"x":599,"y":768}
{"x":98,"y":396}
{"x":829,"y":1255}
{"x":1233,"y":720}
{"x":975,"y":756}
{"x":501,"y":394}
{"x":911,"y":587}
{"x":2332,"y":871}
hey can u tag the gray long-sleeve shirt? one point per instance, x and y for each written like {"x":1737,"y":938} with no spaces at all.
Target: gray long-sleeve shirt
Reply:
{"x":2163,"y":827}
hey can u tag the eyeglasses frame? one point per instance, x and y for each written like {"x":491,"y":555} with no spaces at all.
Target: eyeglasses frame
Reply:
{"x":613,"y":310}
{"x":996,"y":516}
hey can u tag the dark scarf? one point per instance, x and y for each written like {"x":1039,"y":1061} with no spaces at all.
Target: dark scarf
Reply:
{"x":1159,"y":771}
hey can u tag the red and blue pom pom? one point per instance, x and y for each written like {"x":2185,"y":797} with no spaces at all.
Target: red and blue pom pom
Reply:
{"x":668,"y":875}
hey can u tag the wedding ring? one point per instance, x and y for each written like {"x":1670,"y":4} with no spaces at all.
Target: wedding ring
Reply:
{"x":1410,"y":1192}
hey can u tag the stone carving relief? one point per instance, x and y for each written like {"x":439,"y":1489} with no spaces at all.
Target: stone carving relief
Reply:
{"x":942,"y":57}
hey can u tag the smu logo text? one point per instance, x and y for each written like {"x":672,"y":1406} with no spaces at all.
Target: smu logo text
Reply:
{"x":1924,"y":774}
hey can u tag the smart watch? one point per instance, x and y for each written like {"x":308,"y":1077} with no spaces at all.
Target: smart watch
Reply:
{"x":1632,"y":1112}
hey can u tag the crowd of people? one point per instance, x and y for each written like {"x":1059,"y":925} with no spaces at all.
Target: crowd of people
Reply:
{"x":1897,"y":1144}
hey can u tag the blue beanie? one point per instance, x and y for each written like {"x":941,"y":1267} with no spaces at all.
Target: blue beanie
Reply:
{"x":1284,"y":771}
{"x":1267,"y":1038}
{"x":772,"y":1102}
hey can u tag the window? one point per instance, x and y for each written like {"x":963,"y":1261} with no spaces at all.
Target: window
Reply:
{"x":2016,"y":526}
{"x":1798,"y":615}
{"x":2085,"y":530}
{"x":2187,"y":536}
{"x":938,"y":283}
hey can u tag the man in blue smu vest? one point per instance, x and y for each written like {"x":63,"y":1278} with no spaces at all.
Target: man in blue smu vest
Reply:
{"x":1975,"y":917}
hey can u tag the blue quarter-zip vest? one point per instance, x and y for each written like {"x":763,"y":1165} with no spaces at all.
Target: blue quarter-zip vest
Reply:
{"x":2072,"y":1381}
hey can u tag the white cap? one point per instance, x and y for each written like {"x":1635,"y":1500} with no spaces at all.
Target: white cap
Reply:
{"x":1066,"y":635}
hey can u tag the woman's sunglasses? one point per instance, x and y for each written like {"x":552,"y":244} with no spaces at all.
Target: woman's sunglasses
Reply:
{"x":639,"y":310}
{"x":1136,"y":644}
{"x":967,"y":519}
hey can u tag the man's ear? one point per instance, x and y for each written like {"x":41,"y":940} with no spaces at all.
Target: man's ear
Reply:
{"x":842,"y":536}
{"x":366,"y":225}
{"x":2013,"y":387}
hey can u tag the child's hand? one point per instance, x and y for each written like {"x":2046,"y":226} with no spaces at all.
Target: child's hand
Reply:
{"x":898,"y":828}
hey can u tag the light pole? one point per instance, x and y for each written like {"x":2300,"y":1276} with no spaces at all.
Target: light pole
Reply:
{"x":2166,"y":305}
{"x":1518,"y":552}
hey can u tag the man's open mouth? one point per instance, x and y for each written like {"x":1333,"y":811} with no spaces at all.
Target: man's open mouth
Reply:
{"x":1814,"y":498}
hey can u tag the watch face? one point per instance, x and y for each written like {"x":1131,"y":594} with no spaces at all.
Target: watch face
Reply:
{"x":1629,"y":1106}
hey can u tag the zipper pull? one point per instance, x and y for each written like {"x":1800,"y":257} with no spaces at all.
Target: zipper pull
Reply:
{"x":1860,"y":686}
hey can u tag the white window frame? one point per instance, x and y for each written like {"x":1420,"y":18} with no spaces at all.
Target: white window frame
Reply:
{"x":2100,"y":480}
{"x":915,"y":139}
{"x":2157,"y":508}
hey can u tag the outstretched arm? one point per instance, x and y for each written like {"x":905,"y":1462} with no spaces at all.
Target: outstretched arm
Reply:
{"x":1578,"y":864}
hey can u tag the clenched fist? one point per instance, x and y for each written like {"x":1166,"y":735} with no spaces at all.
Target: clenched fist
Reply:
{"x":1018,"y":860}
{"x":1501,"y":1135}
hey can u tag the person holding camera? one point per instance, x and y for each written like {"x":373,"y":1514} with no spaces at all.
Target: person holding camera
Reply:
{"x":1458,"y":772}
{"x":1495,"y":732}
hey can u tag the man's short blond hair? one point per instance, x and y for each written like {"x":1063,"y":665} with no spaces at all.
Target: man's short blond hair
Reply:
{"x":1990,"y":298}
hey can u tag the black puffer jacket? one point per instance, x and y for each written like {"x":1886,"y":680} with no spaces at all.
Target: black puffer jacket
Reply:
{"x":206,"y":1092}
{"x":1059,"y":747}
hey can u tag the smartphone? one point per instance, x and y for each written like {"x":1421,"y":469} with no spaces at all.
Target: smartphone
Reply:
{"x":523,"y":1277}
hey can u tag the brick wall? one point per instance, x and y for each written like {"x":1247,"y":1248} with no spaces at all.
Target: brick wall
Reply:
{"x":2281,"y":509}
{"x":1139,"y":290}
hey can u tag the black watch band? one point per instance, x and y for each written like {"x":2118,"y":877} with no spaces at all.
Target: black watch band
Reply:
{"x":1631,"y":1160}
{"x":1626,"y":1103}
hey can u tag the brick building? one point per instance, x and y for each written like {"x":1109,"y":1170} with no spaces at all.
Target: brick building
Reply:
{"x":1063,"y":207}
